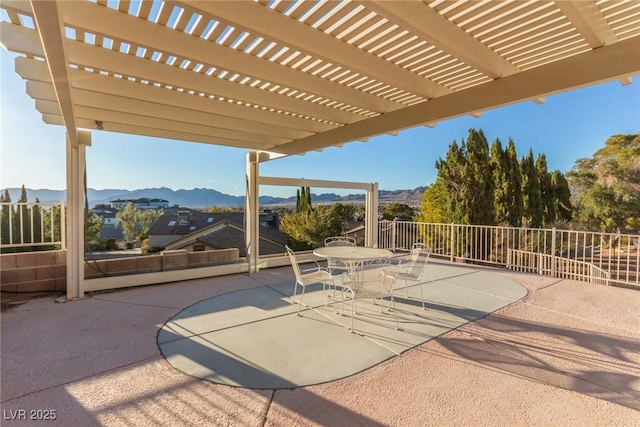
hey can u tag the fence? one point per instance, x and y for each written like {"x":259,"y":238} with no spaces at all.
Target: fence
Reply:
{"x":549,"y":265}
{"x":565,"y":253}
{"x":32,"y":225}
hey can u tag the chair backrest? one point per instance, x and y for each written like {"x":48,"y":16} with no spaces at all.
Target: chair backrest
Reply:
{"x":417,"y":261}
{"x":294,"y":264}
{"x":339,"y":241}
{"x":382,"y":286}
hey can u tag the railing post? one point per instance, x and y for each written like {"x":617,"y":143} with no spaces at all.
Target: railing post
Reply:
{"x":393,"y":235}
{"x":541,"y":264}
{"x":553,"y":252}
{"x":453,"y":242}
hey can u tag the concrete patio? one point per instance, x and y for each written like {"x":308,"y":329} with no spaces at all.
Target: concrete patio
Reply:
{"x":567,"y":353}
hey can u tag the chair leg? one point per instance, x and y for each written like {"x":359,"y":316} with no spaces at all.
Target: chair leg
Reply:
{"x":422,"y":297}
{"x":395,"y":312}
{"x":353,"y":312}
{"x":295,"y":289}
{"x":301,"y":297}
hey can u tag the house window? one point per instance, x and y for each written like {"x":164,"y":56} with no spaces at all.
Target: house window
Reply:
{"x":198,"y":248}
{"x":210,"y":219}
{"x":172,"y":223}
{"x":193,"y":227}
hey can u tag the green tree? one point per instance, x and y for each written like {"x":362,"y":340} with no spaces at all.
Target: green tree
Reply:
{"x":303,"y":200}
{"x":451,"y":171}
{"x":478,"y":185}
{"x":513,"y":179}
{"x":93,"y":225}
{"x":546,"y":191}
{"x":6,"y":219}
{"x":561,"y":197}
{"x":479,"y":189}
{"x":37,"y":221}
{"x":466,"y":177}
{"x":127,"y":220}
{"x":399,"y":211}
{"x":135,"y":223}
{"x":21,"y":221}
{"x":435,"y":199}
{"x":606,"y":187}
{"x":309,"y":229}
{"x":145,"y":219}
{"x":501,"y":202}
{"x":343,"y":213}
{"x":532,"y":206}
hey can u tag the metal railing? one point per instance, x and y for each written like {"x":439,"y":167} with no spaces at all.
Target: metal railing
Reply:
{"x":32,"y":225}
{"x":616,"y":254}
{"x":549,"y":265}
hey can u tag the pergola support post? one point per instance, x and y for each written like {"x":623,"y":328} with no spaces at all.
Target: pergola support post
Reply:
{"x":252,"y":216}
{"x":371,"y":216}
{"x":75,"y":217}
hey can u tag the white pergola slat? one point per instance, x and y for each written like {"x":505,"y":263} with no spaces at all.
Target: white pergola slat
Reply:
{"x":295,"y":71}
{"x":287,"y":77}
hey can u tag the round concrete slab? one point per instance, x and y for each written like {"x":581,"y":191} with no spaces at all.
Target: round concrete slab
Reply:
{"x":255,"y":339}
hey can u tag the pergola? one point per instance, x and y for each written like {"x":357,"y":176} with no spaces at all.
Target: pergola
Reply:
{"x":281,"y":78}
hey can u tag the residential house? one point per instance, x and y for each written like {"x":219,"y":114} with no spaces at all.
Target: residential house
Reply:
{"x":184,"y":228}
{"x":109,"y":229}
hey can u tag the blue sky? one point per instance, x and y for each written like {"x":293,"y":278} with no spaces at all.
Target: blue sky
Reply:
{"x":566,"y":127}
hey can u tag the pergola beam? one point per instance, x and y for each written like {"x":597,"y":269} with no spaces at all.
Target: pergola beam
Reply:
{"x":589,"y":21}
{"x":51,"y":31}
{"x":94,"y":83}
{"x":114,"y":62}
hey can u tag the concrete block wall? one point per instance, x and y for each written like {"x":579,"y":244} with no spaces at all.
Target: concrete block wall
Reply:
{"x":33,"y":271}
{"x":47,"y":271}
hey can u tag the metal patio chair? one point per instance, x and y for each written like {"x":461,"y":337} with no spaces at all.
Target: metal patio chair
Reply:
{"x":376,"y":289}
{"x":307,"y":276}
{"x":335,"y":264}
{"x":412,"y":270}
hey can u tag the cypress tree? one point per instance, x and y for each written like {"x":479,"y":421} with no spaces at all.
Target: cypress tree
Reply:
{"x":501,"y":196}
{"x":451,"y":171}
{"x":308,"y":200}
{"x":546,"y":192}
{"x":303,"y":200}
{"x":478,"y":191}
{"x":7,"y":212}
{"x":37,"y":219}
{"x":532,"y":207}
{"x":22,"y":219}
{"x":561,"y":196}
{"x":513,"y":183}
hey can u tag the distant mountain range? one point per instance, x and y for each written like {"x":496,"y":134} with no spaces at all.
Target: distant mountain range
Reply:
{"x":207,"y":197}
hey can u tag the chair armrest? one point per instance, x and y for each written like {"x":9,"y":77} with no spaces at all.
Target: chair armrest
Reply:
{"x":318,"y":267}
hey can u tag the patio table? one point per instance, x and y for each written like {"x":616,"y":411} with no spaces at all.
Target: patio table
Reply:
{"x":352,"y":256}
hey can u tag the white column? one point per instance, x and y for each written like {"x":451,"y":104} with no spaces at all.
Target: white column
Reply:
{"x":75,"y":213}
{"x":251,"y":215}
{"x":371,"y":216}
